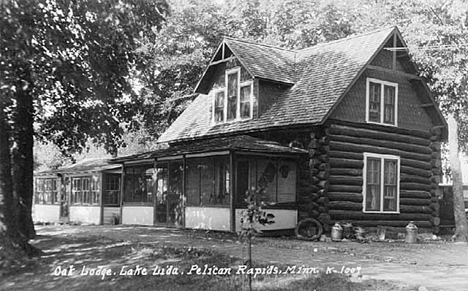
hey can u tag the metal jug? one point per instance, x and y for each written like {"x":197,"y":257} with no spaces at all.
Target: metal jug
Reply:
{"x":411,"y":233}
{"x":336,"y":232}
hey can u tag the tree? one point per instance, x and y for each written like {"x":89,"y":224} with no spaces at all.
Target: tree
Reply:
{"x":461,"y":223}
{"x":65,"y":69}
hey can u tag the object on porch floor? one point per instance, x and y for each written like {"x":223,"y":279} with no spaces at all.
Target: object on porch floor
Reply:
{"x":411,"y":233}
{"x":381,"y":233}
{"x":347,"y":230}
{"x":336,"y":233}
{"x":359,"y":232}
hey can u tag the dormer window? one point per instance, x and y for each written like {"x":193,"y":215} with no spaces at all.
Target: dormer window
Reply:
{"x":234,"y":102}
{"x":382,"y":102}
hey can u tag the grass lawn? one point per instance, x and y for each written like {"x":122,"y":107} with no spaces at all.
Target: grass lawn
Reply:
{"x":98,"y":262}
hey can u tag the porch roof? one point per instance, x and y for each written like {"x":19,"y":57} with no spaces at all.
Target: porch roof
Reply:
{"x":85,"y":165}
{"x":242,"y":143}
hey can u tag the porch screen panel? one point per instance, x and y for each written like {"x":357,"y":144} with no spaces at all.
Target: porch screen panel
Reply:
{"x":175,"y":178}
{"x":139,"y":184}
{"x":162,"y":177}
{"x":207,"y":182}
{"x":242,"y":180}
{"x":267,"y":177}
{"x":192,"y":182}
{"x":222,"y":176}
{"x":286,"y":181}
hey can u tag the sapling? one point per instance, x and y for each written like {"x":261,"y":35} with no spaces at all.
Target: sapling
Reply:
{"x":252,"y":218}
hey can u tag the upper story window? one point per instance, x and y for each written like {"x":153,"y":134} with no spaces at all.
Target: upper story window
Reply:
{"x":234,"y":102}
{"x":382,"y":102}
{"x":381,"y":183}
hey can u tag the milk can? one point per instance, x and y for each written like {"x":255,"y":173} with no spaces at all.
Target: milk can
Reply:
{"x":411,"y":233}
{"x":336,"y":232}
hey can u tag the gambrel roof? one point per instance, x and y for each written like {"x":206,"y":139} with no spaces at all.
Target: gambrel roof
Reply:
{"x":315,"y":78}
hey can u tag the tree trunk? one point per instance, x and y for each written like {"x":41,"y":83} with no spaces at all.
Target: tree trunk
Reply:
{"x":10,"y":238}
{"x":461,"y":225}
{"x":23,"y":160}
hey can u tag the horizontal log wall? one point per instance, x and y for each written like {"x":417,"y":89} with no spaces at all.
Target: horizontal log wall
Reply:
{"x":419,"y":155}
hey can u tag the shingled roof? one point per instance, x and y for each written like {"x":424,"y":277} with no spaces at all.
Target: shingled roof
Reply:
{"x":85,"y":165}
{"x":319,"y":77}
{"x":240,"y":143}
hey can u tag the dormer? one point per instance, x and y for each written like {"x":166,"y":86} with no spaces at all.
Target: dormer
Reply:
{"x":234,"y":99}
{"x":232,"y":78}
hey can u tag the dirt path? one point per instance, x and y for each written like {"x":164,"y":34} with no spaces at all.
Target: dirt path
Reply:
{"x":435,"y":265}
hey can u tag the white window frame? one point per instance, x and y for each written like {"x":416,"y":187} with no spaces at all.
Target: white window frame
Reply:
{"x":382,"y":101}
{"x":382,"y":184}
{"x":225,"y":89}
{"x":214,"y":92}
{"x":245,"y":84}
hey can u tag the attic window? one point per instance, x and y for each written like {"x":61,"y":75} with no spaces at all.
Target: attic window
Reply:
{"x":381,"y":102}
{"x":234,"y":102}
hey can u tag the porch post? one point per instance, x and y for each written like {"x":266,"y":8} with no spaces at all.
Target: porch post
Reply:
{"x":184,"y":193}
{"x":231,"y":190}
{"x":122,"y":191}
{"x":155,"y":189}
{"x":101,"y":198}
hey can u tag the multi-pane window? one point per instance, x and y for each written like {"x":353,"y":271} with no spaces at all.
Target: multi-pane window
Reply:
{"x":374,"y":102}
{"x":232,"y":94}
{"x":389,"y":104}
{"x":245,"y":92}
{"x":112,"y":190}
{"x":234,"y":101}
{"x":219,"y":106}
{"x":382,"y":102}
{"x":85,"y":191}
{"x":381,"y":187}
{"x":47,"y":191}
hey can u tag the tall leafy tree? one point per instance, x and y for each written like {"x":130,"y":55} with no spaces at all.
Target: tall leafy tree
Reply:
{"x":66,"y":69}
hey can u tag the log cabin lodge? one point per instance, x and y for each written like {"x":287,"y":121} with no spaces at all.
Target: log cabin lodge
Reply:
{"x":341,"y":131}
